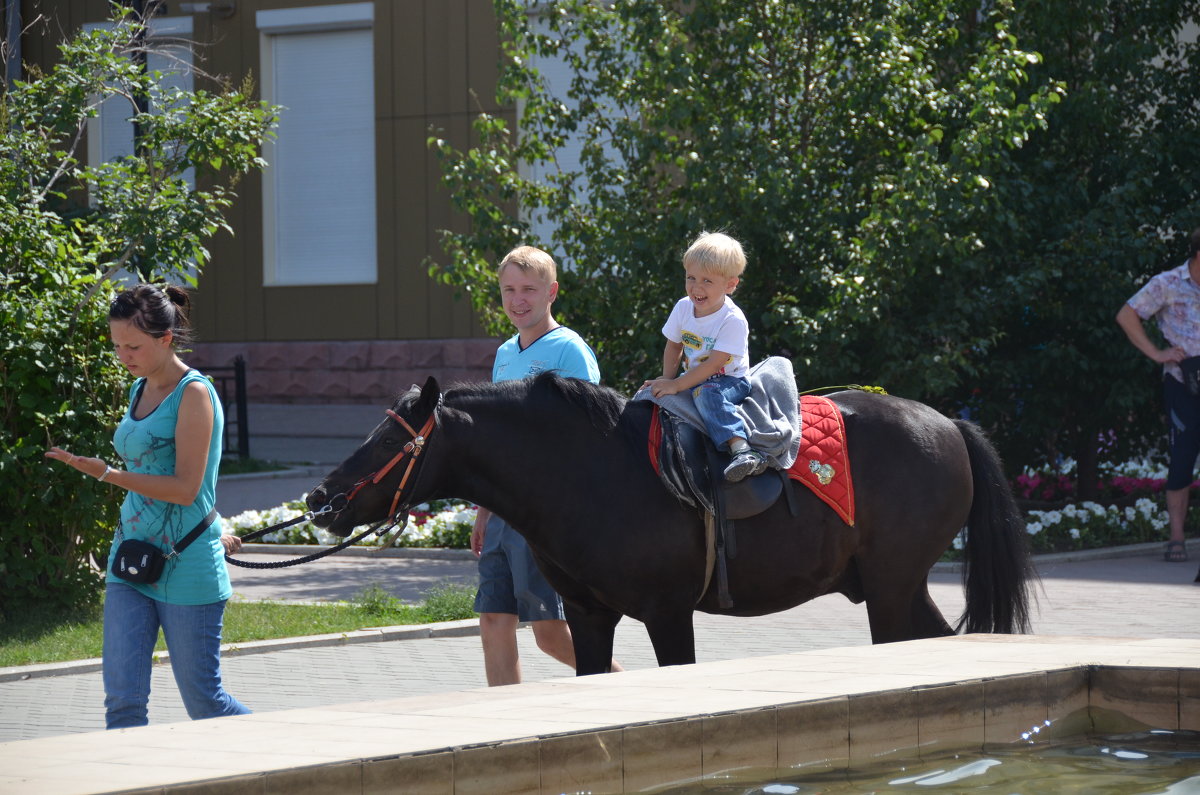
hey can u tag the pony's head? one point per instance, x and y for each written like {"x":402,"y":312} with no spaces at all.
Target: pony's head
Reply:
{"x":381,"y":480}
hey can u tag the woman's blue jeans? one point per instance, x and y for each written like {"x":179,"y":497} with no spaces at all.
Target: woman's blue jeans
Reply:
{"x":193,"y":635}
{"x":717,"y":400}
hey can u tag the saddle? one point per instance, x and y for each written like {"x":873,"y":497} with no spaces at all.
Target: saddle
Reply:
{"x":690,"y":467}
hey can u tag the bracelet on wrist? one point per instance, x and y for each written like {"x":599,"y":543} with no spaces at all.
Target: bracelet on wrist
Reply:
{"x":104,"y":475}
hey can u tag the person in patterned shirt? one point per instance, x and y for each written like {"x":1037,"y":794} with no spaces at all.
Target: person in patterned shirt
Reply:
{"x":1172,"y":298}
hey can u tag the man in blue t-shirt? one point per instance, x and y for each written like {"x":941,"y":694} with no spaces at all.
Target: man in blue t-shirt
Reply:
{"x":511,"y":589}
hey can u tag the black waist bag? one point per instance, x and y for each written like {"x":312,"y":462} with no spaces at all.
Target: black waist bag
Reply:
{"x":142,"y":562}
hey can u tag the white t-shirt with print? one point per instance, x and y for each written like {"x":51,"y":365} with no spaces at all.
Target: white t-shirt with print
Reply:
{"x":725,"y":330}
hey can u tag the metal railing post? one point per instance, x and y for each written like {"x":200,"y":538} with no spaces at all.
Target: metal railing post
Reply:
{"x":239,"y":392}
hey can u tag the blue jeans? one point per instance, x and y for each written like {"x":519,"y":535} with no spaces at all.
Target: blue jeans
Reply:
{"x":193,"y":634}
{"x":1183,"y":433}
{"x":717,"y":400}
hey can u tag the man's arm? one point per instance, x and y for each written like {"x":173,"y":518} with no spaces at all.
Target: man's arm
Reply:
{"x":1131,"y":323}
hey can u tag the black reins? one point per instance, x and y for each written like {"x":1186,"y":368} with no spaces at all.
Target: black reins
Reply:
{"x":397,"y":516}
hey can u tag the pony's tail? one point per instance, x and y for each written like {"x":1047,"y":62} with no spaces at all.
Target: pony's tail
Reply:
{"x":997,"y":569}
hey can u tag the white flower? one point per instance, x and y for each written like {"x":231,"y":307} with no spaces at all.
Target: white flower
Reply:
{"x":1070,"y":511}
{"x":1052,"y":517}
{"x":1075,"y":532}
{"x":959,"y":541}
{"x":1033,"y":528}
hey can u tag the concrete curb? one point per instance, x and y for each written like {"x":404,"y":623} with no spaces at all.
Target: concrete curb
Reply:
{"x":443,"y":629}
{"x":1104,"y":553}
{"x":293,"y":471}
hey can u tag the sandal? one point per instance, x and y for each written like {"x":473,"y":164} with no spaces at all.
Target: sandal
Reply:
{"x":1176,"y":552}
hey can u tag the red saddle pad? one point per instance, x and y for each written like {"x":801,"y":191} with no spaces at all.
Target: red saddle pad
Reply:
{"x":823,"y":463}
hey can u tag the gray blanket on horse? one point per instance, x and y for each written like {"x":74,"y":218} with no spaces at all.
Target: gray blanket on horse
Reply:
{"x":771,"y":412}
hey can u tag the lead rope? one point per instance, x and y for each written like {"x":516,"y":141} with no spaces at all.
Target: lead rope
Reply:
{"x":378,"y":529}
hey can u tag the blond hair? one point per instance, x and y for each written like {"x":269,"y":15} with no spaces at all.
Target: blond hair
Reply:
{"x":716,"y":253}
{"x":528,"y":258}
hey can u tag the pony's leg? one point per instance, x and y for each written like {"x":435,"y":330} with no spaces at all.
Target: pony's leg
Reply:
{"x":592,"y":632}
{"x":896,"y":617}
{"x":673,"y":639}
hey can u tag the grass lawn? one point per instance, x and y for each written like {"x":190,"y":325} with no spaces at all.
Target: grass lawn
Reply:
{"x":33,"y":636}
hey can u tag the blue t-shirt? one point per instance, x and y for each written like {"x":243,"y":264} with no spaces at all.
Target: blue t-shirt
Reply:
{"x":559,"y":349}
{"x":198,"y":575}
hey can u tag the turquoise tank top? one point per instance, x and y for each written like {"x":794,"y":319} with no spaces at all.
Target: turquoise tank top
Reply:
{"x":197,"y":576}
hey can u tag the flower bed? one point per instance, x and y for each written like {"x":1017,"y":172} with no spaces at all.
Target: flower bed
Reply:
{"x":1131,"y":510}
{"x":1088,"y":525}
{"x":442,"y":523}
{"x":1122,"y":484}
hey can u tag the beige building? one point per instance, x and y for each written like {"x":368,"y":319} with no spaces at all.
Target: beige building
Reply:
{"x":323,"y":287}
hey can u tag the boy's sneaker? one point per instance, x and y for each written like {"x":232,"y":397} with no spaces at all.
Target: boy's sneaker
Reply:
{"x":745,"y":463}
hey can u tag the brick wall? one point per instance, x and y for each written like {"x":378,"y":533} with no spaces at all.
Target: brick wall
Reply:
{"x":367,"y":371}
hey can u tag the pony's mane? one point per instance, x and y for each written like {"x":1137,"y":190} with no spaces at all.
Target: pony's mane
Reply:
{"x":601,"y":405}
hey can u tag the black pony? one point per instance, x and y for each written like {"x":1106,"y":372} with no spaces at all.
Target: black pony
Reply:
{"x":566,"y":463}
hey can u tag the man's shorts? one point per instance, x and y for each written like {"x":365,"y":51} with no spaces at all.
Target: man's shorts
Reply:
{"x":509,"y":580}
{"x":1183,"y":433}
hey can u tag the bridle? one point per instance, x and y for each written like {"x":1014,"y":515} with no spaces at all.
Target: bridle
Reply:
{"x":397,"y":515}
{"x":412,"y":450}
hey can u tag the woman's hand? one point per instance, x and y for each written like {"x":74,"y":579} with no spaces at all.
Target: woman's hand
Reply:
{"x":88,"y":466}
{"x":231,"y":543}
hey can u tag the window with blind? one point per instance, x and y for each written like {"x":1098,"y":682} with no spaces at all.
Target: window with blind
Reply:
{"x":319,"y":185}
{"x":110,"y":131}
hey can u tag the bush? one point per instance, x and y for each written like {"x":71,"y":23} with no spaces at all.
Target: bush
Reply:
{"x":68,"y":230}
{"x":58,"y":386}
{"x":444,"y":602}
{"x":449,"y":602}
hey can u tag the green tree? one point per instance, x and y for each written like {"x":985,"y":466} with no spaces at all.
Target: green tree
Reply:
{"x":850,"y":146}
{"x":68,"y":229}
{"x":1093,"y":205}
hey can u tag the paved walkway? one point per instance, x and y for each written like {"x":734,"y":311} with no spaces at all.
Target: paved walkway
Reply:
{"x":1135,"y":596}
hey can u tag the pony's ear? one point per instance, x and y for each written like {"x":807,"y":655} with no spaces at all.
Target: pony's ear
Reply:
{"x":430,"y":393}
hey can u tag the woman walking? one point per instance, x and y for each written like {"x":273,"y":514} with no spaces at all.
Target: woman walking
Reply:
{"x":170,"y":442}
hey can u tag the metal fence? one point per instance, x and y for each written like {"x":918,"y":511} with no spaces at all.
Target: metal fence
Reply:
{"x":233,"y":377}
